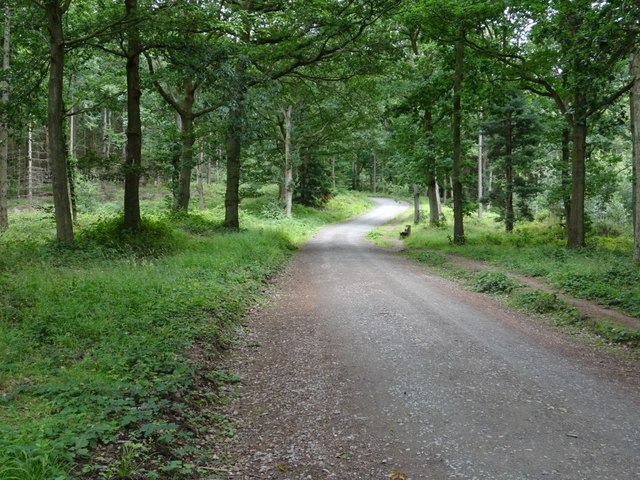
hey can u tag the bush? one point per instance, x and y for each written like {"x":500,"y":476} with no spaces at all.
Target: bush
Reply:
{"x":493,"y":282}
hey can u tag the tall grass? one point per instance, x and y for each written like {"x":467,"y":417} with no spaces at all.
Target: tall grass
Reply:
{"x":95,"y":339}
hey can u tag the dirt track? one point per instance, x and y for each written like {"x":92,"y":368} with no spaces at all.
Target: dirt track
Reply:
{"x":364,"y":363}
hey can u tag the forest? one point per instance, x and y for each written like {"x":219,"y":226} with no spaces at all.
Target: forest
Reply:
{"x":157,"y":155}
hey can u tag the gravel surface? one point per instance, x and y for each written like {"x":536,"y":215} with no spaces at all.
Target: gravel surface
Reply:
{"x":364,"y":365}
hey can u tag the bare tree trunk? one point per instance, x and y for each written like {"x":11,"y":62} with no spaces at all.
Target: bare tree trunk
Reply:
{"x":186,"y":151}
{"x":333,"y":172}
{"x":480,"y":169}
{"x":432,"y":184}
{"x":200,"y":175}
{"x":508,"y":207}
{"x":209,"y":169}
{"x":288,"y":162}
{"x":30,"y":167}
{"x":218,"y":163}
{"x":635,"y":128}
{"x":576,"y":237}
{"x":62,"y":207}
{"x":565,"y":177}
{"x":416,"y":204}
{"x":458,"y":204}
{"x":133,"y":162}
{"x":436,"y":191}
{"x":374,"y":172}
{"x":71,"y":166}
{"x":4,"y":127}
{"x":234,"y":146}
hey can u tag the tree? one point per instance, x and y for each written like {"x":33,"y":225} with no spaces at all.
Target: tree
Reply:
{"x":573,"y":49}
{"x":274,"y":41}
{"x":55,"y":10}
{"x":635,"y":139}
{"x":4,"y":122}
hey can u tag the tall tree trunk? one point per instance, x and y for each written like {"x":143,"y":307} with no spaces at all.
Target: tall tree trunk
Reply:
{"x":218,"y":164}
{"x":374,"y":172}
{"x":200,"y":184}
{"x":508,"y":206}
{"x":576,"y":237}
{"x":432,"y":185}
{"x":133,"y":159}
{"x":55,"y":115}
{"x":333,"y":173}
{"x":436,"y":200}
{"x":635,"y":128}
{"x":4,"y":127}
{"x":458,"y":204}
{"x":186,"y":151}
{"x":480,"y":168}
{"x":234,"y":146}
{"x":416,"y":204}
{"x":288,"y":161}
{"x":30,"y":166}
{"x":565,"y":176}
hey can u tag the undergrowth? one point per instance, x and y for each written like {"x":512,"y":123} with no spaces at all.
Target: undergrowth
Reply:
{"x":95,"y":338}
{"x":603,"y":271}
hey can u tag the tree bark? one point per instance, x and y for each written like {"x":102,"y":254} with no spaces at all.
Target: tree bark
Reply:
{"x":200,"y":183}
{"x":333,"y":173}
{"x":4,"y":127}
{"x":565,"y":177}
{"x":458,"y":204}
{"x":432,"y":185}
{"x":234,"y":146}
{"x":480,"y":166}
{"x":508,"y":207}
{"x":30,"y":166}
{"x":576,"y":233}
{"x":635,"y":128}
{"x":186,"y":151}
{"x":288,"y":163}
{"x":374,"y":172}
{"x":55,"y":119}
{"x":416,"y":204}
{"x":133,"y":158}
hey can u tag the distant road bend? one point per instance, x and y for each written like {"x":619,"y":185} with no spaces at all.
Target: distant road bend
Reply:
{"x":365,"y":366}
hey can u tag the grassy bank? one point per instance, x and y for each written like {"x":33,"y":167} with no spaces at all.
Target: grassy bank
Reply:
{"x":603,"y":271}
{"x":97,"y":342}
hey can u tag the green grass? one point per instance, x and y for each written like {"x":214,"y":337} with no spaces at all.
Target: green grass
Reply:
{"x":603,"y":271}
{"x":95,"y":339}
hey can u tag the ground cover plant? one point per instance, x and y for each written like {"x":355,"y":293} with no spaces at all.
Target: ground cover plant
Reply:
{"x":95,"y":339}
{"x":602,"y":271}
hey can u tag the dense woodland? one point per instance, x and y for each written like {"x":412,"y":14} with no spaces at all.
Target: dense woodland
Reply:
{"x":160,"y":159}
{"x":517,"y":106}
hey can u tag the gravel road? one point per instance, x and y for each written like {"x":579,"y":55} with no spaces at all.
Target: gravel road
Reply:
{"x":364,"y":365}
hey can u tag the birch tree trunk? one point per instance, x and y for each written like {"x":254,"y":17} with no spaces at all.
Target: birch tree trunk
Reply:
{"x":4,"y":127}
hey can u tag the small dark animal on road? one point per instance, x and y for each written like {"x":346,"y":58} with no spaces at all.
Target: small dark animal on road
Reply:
{"x":406,"y":232}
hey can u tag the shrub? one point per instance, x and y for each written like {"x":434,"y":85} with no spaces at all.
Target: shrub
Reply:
{"x":493,"y":282}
